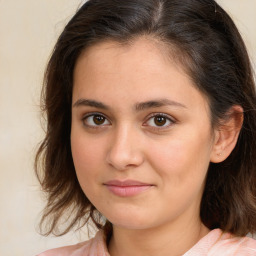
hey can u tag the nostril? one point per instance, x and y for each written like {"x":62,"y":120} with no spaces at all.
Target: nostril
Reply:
{"x":123,"y":152}
{"x":122,"y":160}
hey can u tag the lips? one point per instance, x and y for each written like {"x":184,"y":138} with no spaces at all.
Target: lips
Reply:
{"x":127,"y":188}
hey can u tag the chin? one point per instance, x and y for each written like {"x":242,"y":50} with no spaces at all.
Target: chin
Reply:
{"x":131,"y":221}
{"x":130,"y":225}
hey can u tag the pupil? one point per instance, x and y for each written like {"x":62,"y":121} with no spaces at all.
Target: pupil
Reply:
{"x":98,"y":119}
{"x":160,"y":120}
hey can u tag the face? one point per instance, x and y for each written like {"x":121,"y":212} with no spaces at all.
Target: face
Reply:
{"x":141,"y":135}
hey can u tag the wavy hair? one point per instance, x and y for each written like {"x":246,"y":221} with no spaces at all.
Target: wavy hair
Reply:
{"x":200,"y":35}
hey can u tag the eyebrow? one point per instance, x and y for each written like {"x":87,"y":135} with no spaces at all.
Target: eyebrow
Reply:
{"x":138,"y":106}
{"x":90,"y":103}
{"x":157,"y":103}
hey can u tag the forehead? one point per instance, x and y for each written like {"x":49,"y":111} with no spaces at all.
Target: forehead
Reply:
{"x":136,"y":50}
{"x":140,"y":68}
{"x":142,"y":57}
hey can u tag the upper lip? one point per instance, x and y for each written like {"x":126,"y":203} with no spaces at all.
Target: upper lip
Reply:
{"x":126,"y":183}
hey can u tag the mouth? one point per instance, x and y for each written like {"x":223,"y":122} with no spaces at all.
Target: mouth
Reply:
{"x":127,"y":188}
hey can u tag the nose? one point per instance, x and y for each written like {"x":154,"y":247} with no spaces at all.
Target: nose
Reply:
{"x":125,"y":150}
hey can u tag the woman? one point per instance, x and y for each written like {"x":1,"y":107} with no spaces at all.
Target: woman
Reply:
{"x":151,"y":131}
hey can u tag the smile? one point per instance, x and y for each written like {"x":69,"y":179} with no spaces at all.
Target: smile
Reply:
{"x":126,"y":188}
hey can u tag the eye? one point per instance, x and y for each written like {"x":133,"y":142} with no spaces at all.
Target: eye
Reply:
{"x":94,"y":120}
{"x":159,"y":121}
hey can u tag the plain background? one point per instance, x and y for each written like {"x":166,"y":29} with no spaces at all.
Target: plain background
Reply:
{"x":28,"y":31}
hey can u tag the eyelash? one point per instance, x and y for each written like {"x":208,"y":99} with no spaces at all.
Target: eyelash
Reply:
{"x":166,"y":117}
{"x":84,"y":118}
{"x":162,"y":115}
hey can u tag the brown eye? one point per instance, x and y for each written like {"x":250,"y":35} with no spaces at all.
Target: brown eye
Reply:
{"x":98,"y":120}
{"x":160,"y":120}
{"x":95,"y":120}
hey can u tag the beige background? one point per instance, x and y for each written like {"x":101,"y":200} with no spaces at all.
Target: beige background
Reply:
{"x":28,"y":30}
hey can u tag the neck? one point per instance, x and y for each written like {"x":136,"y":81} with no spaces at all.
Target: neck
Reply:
{"x":164,"y":240}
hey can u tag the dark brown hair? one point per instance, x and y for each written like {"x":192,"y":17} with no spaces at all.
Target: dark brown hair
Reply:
{"x":214,"y":55}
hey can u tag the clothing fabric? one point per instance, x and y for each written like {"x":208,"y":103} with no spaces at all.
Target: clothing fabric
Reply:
{"x":215,"y":243}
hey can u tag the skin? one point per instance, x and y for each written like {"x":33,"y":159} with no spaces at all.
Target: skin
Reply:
{"x":128,"y":143}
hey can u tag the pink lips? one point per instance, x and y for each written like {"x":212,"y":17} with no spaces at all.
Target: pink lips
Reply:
{"x":126,"y":188}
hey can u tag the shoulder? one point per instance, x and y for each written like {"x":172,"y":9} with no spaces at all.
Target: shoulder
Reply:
{"x":233,"y":246}
{"x":219,"y":243}
{"x":93,"y":247}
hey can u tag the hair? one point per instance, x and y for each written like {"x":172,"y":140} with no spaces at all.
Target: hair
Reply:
{"x":202,"y":36}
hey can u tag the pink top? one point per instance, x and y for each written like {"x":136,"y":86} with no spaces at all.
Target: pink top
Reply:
{"x":215,"y":243}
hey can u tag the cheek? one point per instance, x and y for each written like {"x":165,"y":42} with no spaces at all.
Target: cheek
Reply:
{"x":81,"y":153}
{"x":86,"y":156}
{"x":85,"y":150}
{"x":87,"y":161}
{"x":182,"y":157}
{"x":168,"y":159}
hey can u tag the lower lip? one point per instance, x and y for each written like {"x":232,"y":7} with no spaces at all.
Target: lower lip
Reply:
{"x":126,"y":191}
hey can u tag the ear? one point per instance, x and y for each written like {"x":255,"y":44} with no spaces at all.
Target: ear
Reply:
{"x":226,"y":134}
